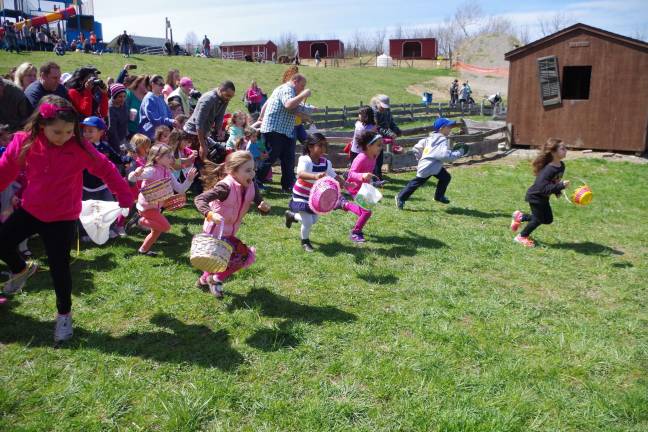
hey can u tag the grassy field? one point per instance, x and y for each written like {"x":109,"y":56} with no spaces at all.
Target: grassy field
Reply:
{"x":438,"y":323}
{"x":332,"y":87}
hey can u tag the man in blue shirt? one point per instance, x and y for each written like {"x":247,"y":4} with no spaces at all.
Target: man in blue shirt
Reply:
{"x":48,"y":83}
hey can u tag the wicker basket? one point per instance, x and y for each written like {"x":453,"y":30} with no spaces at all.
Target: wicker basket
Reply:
{"x":210,"y":254}
{"x":176,"y":202}
{"x":324,"y":195}
{"x":157,"y":191}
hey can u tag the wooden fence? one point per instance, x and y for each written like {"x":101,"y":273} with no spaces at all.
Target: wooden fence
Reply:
{"x":329,"y":117}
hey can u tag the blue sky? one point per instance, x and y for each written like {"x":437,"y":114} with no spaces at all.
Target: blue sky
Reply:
{"x":260,"y":19}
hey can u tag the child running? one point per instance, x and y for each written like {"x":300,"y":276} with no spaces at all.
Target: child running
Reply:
{"x":53,"y":154}
{"x":435,"y":150}
{"x":311,"y":166}
{"x":548,"y":168}
{"x":361,"y":171}
{"x":159,"y":166}
{"x":236,"y":130}
{"x":229,"y":192}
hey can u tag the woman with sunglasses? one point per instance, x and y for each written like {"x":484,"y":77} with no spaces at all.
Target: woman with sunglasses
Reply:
{"x":154,"y":111}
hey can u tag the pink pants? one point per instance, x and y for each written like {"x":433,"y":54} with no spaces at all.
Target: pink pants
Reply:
{"x":362,"y":213}
{"x":158,"y":224}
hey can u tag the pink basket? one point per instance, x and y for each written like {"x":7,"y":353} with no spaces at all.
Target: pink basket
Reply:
{"x":324,"y":195}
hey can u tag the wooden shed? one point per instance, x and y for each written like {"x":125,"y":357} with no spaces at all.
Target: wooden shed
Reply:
{"x":332,"y":48}
{"x":257,"y":50}
{"x":411,"y":49}
{"x":584,"y":85}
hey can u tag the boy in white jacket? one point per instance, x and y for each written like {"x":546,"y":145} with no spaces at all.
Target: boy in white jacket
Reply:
{"x":434,"y":151}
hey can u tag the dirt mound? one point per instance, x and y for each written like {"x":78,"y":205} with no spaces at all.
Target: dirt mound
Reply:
{"x":487,"y":50}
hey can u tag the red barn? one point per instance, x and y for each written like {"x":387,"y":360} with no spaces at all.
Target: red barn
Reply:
{"x":409,"y":49}
{"x":258,"y":50}
{"x":333,"y":48}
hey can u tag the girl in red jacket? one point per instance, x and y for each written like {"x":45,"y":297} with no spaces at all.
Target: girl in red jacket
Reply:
{"x":226,"y":200}
{"x":53,"y":155}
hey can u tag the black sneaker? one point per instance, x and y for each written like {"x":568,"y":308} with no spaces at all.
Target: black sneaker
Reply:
{"x":307,"y":246}
{"x":132,"y":223}
{"x":149,"y":253}
{"x":290,"y":218}
{"x":399,"y":204}
{"x":442,"y":200}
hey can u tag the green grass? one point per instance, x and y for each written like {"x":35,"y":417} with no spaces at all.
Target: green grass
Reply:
{"x":332,"y":87}
{"x":439,"y":323}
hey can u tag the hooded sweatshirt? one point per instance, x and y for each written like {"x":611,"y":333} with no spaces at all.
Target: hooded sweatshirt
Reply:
{"x":435,"y":150}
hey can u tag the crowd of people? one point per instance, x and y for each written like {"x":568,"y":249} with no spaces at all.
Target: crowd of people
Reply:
{"x":72,"y":137}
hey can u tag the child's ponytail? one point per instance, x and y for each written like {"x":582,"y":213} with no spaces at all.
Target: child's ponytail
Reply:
{"x":546,"y":155}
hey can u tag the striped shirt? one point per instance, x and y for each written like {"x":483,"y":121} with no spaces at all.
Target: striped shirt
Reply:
{"x":302,"y":189}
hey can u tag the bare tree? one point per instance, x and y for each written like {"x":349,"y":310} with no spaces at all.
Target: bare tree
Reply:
{"x":497,"y":25}
{"x":379,"y":40}
{"x":523,"y":34}
{"x":557,"y":22}
{"x":640,"y":33}
{"x":467,"y":14}
{"x":191,"y":41}
{"x":398,"y":32}
{"x":287,"y":44}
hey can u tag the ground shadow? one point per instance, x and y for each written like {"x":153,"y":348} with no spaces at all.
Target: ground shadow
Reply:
{"x":406,"y":244}
{"x":623,"y":264}
{"x":475,"y":213}
{"x":587,"y":248}
{"x":276,"y":306}
{"x":379,"y":279}
{"x":179,"y":343}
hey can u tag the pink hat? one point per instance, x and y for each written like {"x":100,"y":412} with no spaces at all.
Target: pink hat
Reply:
{"x":186,"y":82}
{"x":116,"y":88}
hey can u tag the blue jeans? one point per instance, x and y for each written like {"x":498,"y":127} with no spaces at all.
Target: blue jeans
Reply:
{"x":444,"y":180}
{"x":281,"y":147}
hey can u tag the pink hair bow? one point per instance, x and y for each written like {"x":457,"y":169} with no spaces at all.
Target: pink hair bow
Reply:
{"x":49,"y":111}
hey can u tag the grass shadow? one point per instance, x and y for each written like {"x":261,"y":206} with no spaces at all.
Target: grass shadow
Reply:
{"x":587,"y":248}
{"x":379,"y":279}
{"x":179,"y":343}
{"x":276,"y":306}
{"x":475,"y":213}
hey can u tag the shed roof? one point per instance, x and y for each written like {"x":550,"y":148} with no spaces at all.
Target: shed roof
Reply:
{"x":547,"y":40}
{"x":245,"y":43}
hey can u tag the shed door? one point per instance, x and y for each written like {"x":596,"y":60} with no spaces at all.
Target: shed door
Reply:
{"x":549,"y":80}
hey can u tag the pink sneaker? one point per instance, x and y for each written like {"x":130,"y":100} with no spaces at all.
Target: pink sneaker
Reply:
{"x":524,"y":241}
{"x":516,"y":221}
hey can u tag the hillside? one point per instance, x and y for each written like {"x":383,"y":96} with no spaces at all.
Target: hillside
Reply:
{"x":332,"y":87}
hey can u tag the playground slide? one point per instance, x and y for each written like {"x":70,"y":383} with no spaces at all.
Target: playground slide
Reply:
{"x":48,"y":18}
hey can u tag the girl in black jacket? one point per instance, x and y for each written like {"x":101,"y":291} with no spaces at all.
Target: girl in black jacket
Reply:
{"x":548,"y":169}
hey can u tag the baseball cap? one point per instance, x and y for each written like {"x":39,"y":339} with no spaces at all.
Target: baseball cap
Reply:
{"x":442,"y":122}
{"x":186,"y":82}
{"x":95,"y":122}
{"x":383,"y":100}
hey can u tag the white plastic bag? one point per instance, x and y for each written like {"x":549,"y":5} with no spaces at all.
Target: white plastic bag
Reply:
{"x":368,"y":196}
{"x":97,"y":216}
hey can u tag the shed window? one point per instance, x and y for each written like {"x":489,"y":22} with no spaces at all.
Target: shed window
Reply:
{"x":576,"y":82}
{"x":549,"y":80}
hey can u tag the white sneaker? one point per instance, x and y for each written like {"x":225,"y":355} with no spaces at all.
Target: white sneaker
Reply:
{"x":63,"y":329}
{"x":121,"y":231}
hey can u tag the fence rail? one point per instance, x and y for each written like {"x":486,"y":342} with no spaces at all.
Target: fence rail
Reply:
{"x":335,"y":117}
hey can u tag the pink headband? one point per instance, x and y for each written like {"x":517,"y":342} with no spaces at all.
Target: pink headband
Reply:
{"x":48,"y":111}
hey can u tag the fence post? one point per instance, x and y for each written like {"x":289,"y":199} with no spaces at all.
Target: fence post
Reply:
{"x":326,"y":116}
{"x":344,"y":115}
{"x":412,"y":112}
{"x":481,"y":109}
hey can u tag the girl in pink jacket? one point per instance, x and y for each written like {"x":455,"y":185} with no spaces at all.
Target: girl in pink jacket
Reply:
{"x":160,"y":165}
{"x":53,"y":155}
{"x":361,"y":172}
{"x":227,"y":199}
